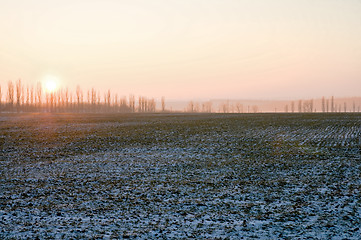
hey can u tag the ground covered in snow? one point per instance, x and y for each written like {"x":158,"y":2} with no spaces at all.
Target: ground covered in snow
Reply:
{"x":261,"y":176}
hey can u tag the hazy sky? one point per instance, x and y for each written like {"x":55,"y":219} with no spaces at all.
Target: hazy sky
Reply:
{"x":186,"y":49}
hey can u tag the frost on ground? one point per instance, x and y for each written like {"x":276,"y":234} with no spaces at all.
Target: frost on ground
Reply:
{"x":262,"y":176}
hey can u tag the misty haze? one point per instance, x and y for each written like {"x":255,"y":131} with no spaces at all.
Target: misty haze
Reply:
{"x":180,"y":119}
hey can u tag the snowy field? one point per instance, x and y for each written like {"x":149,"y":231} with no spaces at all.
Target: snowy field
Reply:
{"x":253,"y":176}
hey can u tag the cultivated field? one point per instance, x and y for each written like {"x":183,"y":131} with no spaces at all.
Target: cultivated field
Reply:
{"x":261,"y":176}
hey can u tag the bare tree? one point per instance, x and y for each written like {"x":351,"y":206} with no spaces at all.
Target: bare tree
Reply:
{"x":82,"y":100}
{"x":115,"y":103}
{"x":255,"y":109}
{"x":93,"y":98}
{"x":225,"y":107}
{"x":132,"y":103}
{"x":307,"y":106}
{"x":207,"y":107}
{"x":52,"y":101}
{"x":323,"y":104}
{"x":327,"y":105}
{"x":97,"y":98}
{"x":108,"y":98}
{"x":61,"y":99}
{"x":66,"y":95}
{"x":163,"y":104}
{"x":18,"y":94}
{"x":22,"y":100}
{"x":239,"y":107}
{"x":27,"y":96}
{"x":0,"y":97}
{"x":38,"y":93}
{"x":292,"y":106}
{"x":123,"y":104}
{"x":32,"y":95}
{"x":140,"y":104}
{"x":190,"y":107}
{"x":78,"y":93}
{"x":300,"y":106}
{"x":47,"y":99}
{"x":151,"y":105}
{"x":196,"y":107}
{"x":71,"y":101}
{"x":332,"y":105}
{"x":10,"y":94}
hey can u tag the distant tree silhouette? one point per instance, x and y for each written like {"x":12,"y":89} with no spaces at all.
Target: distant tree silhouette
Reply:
{"x":208,"y":107}
{"x":93,"y":99}
{"x":196,"y":107}
{"x":300,"y":106}
{"x":22,"y":99}
{"x":18,"y":94}
{"x":115,"y":107}
{"x":38,"y":95}
{"x":10,"y":95}
{"x":124,"y":107}
{"x":152,"y":105}
{"x":163,"y":104}
{"x":190,"y":107}
{"x":323,"y":104}
{"x":27,"y":98}
{"x":52,"y":102}
{"x":0,"y":98}
{"x":78,"y":93}
{"x":239,"y":107}
{"x":67,"y":97}
{"x":231,"y":108}
{"x":108,"y":98}
{"x":332,"y":105}
{"x":32,"y":95}
{"x":132,"y":103}
{"x":224,"y":108}
{"x":98,"y":102}
{"x":140,"y":104}
{"x":71,"y":102}
{"x":255,"y":108}
{"x":327,"y":105}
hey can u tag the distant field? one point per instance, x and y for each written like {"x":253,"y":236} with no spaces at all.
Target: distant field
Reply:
{"x":262,"y":176}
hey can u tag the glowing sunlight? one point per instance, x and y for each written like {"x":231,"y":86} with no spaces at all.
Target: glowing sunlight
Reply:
{"x":51,"y":84}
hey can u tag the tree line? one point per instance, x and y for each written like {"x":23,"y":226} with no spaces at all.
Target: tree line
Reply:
{"x":19,"y":98}
{"x":328,"y":105}
{"x":16,"y":97}
{"x":325,"y":105}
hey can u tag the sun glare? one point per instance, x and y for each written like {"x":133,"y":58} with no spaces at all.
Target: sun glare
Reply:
{"x":51,"y":84}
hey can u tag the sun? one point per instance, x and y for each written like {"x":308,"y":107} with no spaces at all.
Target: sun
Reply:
{"x":51,"y":84}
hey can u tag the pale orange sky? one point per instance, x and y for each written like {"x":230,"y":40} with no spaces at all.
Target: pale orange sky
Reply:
{"x":235,"y":49}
